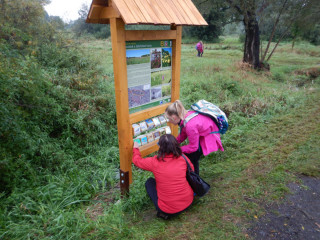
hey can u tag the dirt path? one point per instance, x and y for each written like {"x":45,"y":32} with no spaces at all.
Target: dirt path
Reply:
{"x":298,"y":217}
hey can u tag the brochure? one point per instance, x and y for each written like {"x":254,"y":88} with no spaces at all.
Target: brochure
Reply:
{"x":136,"y":129}
{"x":143,"y":126}
{"x":150,"y":124}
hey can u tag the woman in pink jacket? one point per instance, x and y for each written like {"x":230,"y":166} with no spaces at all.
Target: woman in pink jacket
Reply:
{"x":198,"y":131}
{"x":200,"y":48}
{"x":169,"y":190}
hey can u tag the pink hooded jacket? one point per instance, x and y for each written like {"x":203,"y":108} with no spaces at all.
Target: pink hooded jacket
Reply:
{"x":199,"y":129}
{"x":199,"y":47}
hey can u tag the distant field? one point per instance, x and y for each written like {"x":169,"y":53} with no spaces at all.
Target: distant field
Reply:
{"x":138,"y":60}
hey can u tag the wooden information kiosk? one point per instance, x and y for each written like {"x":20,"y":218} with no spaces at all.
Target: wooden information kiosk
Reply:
{"x":146,"y":64}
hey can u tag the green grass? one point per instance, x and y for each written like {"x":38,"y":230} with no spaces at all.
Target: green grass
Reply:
{"x":161,"y":77}
{"x":273,"y":137}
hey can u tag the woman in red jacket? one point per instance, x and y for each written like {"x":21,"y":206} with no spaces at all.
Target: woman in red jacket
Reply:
{"x":169,"y":190}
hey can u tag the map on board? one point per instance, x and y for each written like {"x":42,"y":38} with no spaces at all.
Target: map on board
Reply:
{"x":149,"y":73}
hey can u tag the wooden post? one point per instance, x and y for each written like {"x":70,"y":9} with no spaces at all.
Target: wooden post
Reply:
{"x":176,"y":64}
{"x":122,"y":103}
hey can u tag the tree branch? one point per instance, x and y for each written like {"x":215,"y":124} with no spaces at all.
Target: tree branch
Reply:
{"x":273,"y":30}
{"x":235,"y":6}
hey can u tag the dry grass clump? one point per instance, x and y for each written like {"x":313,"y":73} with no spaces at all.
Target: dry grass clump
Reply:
{"x":312,"y":73}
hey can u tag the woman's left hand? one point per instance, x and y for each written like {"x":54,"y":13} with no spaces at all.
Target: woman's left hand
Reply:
{"x":135,"y":145}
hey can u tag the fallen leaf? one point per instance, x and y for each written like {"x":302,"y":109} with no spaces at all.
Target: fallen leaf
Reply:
{"x":255,"y":216}
{"x":302,"y":227}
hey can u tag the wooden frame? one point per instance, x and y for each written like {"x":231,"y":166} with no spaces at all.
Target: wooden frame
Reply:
{"x":119,"y":36}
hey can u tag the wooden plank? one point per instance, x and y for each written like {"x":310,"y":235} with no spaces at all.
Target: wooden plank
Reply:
{"x":144,"y":11}
{"x":162,"y":18}
{"x":193,"y":19}
{"x":138,"y":35}
{"x":176,"y":65}
{"x":161,"y":7}
{"x":195,"y":12}
{"x":125,"y":138}
{"x":94,"y":12}
{"x":135,"y":11}
{"x":182,"y":12}
{"x":149,"y":148}
{"x":174,"y":18}
{"x":109,"y":12}
{"x":153,"y":15}
{"x":125,"y":12}
{"x":176,"y":12}
{"x":148,"y":113}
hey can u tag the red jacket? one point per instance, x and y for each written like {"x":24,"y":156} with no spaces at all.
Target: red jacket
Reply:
{"x":174,"y":191}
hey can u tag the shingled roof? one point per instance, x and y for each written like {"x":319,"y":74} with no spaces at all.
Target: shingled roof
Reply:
{"x":157,"y":12}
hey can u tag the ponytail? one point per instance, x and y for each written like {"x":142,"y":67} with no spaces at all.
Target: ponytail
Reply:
{"x":177,"y":109}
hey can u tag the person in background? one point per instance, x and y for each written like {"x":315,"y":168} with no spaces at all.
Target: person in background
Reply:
{"x":169,"y":190}
{"x":197,"y":130}
{"x":200,"y":48}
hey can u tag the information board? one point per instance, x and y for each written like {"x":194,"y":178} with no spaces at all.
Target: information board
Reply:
{"x":149,"y":73}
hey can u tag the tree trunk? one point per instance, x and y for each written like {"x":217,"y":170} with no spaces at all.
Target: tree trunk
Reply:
{"x":252,"y":42}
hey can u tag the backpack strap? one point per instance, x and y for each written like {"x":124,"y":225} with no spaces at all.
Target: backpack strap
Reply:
{"x":187,"y":119}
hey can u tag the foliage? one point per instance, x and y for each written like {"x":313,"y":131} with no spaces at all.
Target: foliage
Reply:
{"x":166,"y":58}
{"x":313,"y":34}
{"x":80,"y":27}
{"x":57,"y":129}
{"x":210,"y":33}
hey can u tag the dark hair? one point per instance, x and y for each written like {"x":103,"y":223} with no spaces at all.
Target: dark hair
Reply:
{"x":168,"y":145}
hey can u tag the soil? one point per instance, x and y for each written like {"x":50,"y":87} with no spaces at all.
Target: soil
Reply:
{"x":297,"y":217}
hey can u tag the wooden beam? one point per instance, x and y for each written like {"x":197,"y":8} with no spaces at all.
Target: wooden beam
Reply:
{"x":94,"y":12}
{"x":148,"y":113}
{"x":109,"y":12}
{"x":139,"y":35}
{"x":149,"y":148}
{"x":176,"y":65}
{"x":125,"y":137}
{"x":101,"y":12}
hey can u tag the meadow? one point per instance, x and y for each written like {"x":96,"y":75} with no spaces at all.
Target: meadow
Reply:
{"x":138,"y":60}
{"x":273,"y":138}
{"x":161,"y":77}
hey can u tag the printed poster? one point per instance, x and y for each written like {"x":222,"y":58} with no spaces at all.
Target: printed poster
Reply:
{"x":149,"y":71}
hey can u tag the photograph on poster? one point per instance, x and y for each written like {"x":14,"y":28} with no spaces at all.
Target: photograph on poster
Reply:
{"x":155,"y":58}
{"x":166,"y":91}
{"x":138,"y":56}
{"x":166,"y":57}
{"x":160,"y":77}
{"x":139,"y":95}
{"x":156,"y":93}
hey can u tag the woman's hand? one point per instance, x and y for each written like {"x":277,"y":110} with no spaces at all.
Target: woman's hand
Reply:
{"x":135,"y":145}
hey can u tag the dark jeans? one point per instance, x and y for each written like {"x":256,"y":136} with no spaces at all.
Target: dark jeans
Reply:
{"x":194,"y":158}
{"x":152,"y":192}
{"x":199,"y":53}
